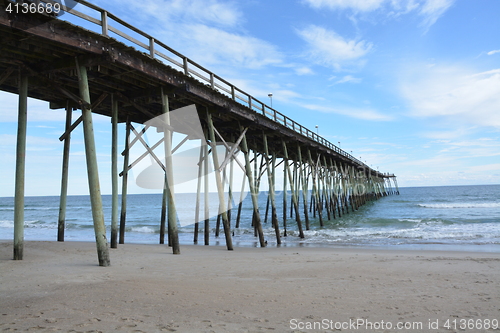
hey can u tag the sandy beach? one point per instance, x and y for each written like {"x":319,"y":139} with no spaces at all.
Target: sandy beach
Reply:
{"x":59,"y":287}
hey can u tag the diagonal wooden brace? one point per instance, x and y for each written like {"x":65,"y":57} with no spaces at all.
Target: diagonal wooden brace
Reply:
{"x":148,"y":149}
{"x":230,"y":149}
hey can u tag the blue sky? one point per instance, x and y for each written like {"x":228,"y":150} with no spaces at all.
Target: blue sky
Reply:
{"x":411,"y":87}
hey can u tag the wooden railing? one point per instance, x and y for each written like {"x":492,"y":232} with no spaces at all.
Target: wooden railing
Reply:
{"x":158,"y":50}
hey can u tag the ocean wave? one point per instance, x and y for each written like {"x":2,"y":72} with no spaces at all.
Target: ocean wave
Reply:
{"x":37,"y":224}
{"x":145,"y":229}
{"x":420,"y":232}
{"x":6,"y":224}
{"x":462,"y":205}
{"x":410,"y":220}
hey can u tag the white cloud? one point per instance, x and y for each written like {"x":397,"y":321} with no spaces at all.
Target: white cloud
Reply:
{"x":461,"y":96}
{"x":260,"y":92}
{"x":348,"y":79}
{"x":493,"y":52}
{"x":330,"y":49}
{"x":304,"y":70}
{"x":211,"y":12}
{"x":430,"y":10}
{"x":37,"y":110}
{"x":357,"y":5}
{"x":485,"y":168}
{"x":207,"y":31}
{"x":400,"y":7}
{"x":220,"y":47}
{"x":358,"y":113}
{"x":447,"y":135}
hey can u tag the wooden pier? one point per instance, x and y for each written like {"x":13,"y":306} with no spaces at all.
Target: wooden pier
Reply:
{"x":99,"y":72}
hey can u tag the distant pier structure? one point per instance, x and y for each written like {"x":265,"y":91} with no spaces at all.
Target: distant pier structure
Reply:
{"x":98,"y":71}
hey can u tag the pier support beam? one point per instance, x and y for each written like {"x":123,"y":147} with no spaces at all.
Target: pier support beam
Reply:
{"x":92,"y":171}
{"x":253,"y":191}
{"x":292,"y":190}
{"x":285,"y":181}
{"x":270,"y":177}
{"x":198,"y":190}
{"x":169,"y":170}
{"x":396,"y":184}
{"x":126,"y":155}
{"x":315,"y":186}
{"x":304,"y":182}
{"x":163,"y":216}
{"x":22,"y":124}
{"x":114,"y":172}
{"x":206,"y":207}
{"x":240,"y":205}
{"x":61,"y":222}
{"x":220,"y":185}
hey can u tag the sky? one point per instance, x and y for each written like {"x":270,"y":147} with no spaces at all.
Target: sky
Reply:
{"x":412,"y":87}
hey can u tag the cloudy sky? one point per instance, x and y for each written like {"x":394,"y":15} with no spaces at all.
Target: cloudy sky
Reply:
{"x":412,"y":87}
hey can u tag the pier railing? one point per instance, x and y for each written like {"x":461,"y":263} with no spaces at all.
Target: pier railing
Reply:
{"x":109,"y":23}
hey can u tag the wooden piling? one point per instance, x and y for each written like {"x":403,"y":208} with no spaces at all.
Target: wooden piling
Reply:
{"x":240,"y":205}
{"x":335,"y":187}
{"x":253,"y":191}
{"x":305,"y":184}
{"x":163,"y":215}
{"x":169,"y":170}
{"x":325,"y":193}
{"x":274,"y":216}
{"x":331,"y":187}
{"x":22,"y":123}
{"x":206,"y":207}
{"x":198,"y":190}
{"x":92,"y":170}
{"x":126,"y":156}
{"x":295,"y":186}
{"x":396,"y":184}
{"x":114,"y":172}
{"x":230,"y":189}
{"x":61,"y":222}
{"x":292,"y":190}
{"x":217,"y":224}
{"x":345,"y":192}
{"x":315,"y":189}
{"x":220,"y":185}
{"x":285,"y":189}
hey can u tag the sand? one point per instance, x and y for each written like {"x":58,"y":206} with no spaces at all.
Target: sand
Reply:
{"x":58,"y":287}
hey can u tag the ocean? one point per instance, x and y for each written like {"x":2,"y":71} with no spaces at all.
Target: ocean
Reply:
{"x":444,"y":217}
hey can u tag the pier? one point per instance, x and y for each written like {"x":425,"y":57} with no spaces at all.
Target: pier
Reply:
{"x":116,"y":70}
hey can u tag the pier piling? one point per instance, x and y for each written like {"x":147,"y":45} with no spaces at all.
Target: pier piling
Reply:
{"x":173,"y":236}
{"x":114,"y":172}
{"x":61,"y":222}
{"x":22,"y":123}
{"x":270,"y":175}
{"x":126,"y":156}
{"x":253,"y":190}
{"x":220,"y":185}
{"x":92,"y":171}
